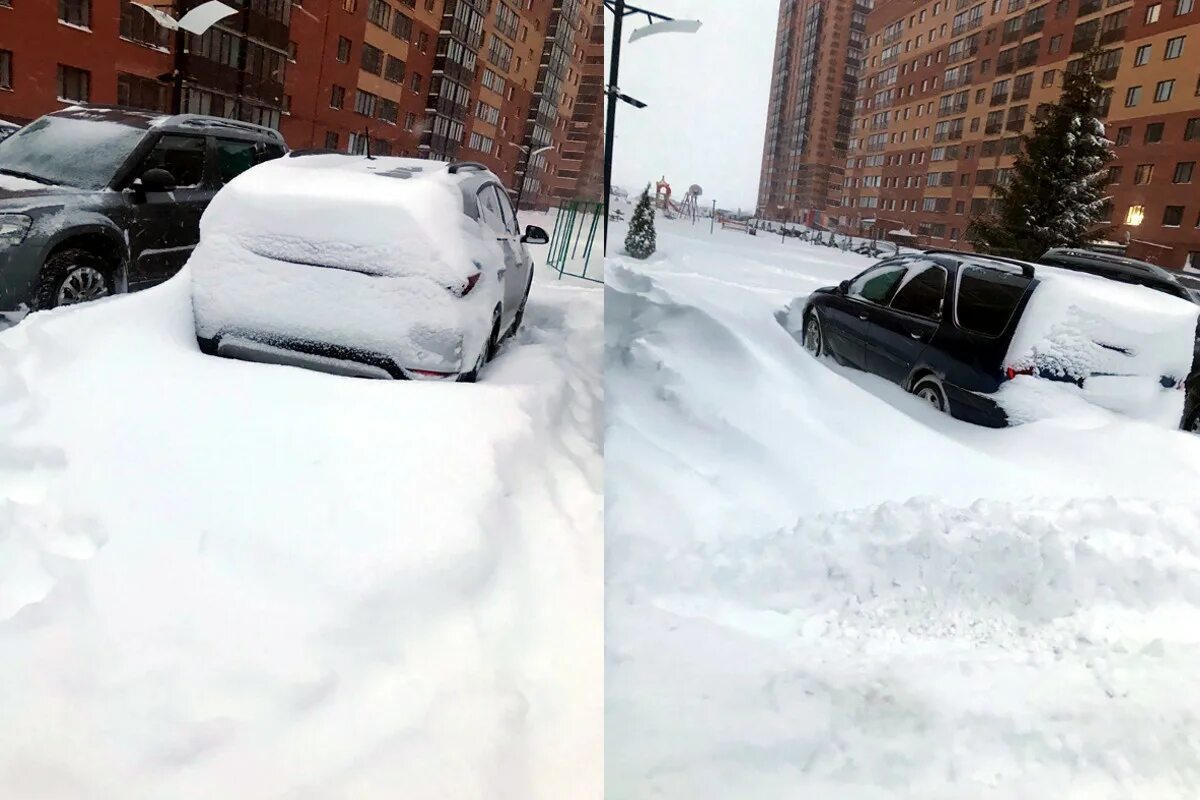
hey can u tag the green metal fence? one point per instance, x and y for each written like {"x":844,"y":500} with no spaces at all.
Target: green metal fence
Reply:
{"x":573,"y":240}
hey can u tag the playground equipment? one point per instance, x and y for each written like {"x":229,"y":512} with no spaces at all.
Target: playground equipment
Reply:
{"x":575,"y":226}
{"x":662,"y":194}
{"x":689,"y":207}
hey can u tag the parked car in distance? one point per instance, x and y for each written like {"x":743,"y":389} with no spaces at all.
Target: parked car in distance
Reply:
{"x":96,"y":201}
{"x":956,"y":328}
{"x":8,"y":129}
{"x":367,"y":266}
{"x":1119,"y":268}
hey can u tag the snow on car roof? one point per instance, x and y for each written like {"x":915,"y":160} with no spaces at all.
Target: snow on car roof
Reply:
{"x":389,"y":215}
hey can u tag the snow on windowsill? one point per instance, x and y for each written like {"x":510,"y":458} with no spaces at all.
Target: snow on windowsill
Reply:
{"x":83,"y":28}
{"x":156,"y":48}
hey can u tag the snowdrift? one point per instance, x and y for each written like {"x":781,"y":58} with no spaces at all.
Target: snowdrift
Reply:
{"x":820,"y":588}
{"x":222,"y":579}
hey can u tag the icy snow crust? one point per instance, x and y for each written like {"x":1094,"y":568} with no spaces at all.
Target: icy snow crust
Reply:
{"x":348,"y":251}
{"x":231,"y":580}
{"x":819,"y":588}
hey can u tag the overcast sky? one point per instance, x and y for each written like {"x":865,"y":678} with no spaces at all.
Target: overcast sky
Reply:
{"x":707,"y":95}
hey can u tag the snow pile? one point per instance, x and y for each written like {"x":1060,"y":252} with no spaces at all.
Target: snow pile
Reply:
{"x":819,"y":587}
{"x":222,"y":579}
{"x":1121,"y":343}
{"x":349,"y":251}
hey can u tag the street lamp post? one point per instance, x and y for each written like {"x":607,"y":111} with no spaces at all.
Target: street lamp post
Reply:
{"x":659,"y":23}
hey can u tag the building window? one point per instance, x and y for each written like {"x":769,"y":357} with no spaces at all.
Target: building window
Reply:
{"x":1133,"y":96}
{"x":372,"y":59}
{"x":331,"y":140}
{"x":1143,"y":174}
{"x":1142,"y":56}
{"x":410,"y":119}
{"x":423,"y":41}
{"x":1114,"y":175}
{"x":1135,"y":215}
{"x":1048,"y":78}
{"x":1183,"y":172}
{"x":75,"y":12}
{"x":138,"y":26}
{"x":350,"y":5}
{"x":401,"y":27}
{"x":1152,"y":13}
{"x":135,"y":91}
{"x":415,"y":82}
{"x":1191,"y":130}
{"x":343,"y":51}
{"x":5,"y":69}
{"x":1124,"y":135}
{"x":74,"y":85}
{"x":1154,"y":133}
{"x":379,"y":14}
{"x":337,"y":96}
{"x":365,"y":103}
{"x":389,"y":111}
{"x":394,"y":71}
{"x":1173,"y":216}
{"x":1183,"y":6}
{"x":1162,"y":92}
{"x":1174,"y":48}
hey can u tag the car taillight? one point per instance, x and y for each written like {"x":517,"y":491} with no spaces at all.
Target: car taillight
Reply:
{"x":464,"y":288}
{"x":1012,"y":372}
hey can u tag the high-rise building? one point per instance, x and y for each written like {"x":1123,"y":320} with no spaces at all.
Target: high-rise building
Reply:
{"x":949,"y":86}
{"x":476,"y":80}
{"x":818,"y":47}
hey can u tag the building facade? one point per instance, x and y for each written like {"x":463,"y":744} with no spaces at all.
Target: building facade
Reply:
{"x":814,"y":80}
{"x":949,"y":86}
{"x":477,"y":80}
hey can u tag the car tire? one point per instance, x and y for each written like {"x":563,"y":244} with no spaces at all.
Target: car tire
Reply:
{"x":207,"y":346}
{"x":520,"y":316}
{"x":1192,"y":423}
{"x":487,"y":353}
{"x":73,"y":273}
{"x":493,"y":344}
{"x":928,"y":390}
{"x":813,"y":337}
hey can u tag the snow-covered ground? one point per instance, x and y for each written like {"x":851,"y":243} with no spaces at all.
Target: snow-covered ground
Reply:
{"x":223,"y":579}
{"x":818,"y":587}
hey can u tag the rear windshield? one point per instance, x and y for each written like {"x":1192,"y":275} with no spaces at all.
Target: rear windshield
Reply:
{"x":987,"y":299}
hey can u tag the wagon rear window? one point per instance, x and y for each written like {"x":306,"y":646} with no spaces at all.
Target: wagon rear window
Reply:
{"x":987,"y":299}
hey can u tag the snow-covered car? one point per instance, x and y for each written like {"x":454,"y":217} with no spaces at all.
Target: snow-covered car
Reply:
{"x":369,"y":266}
{"x":994,"y":341}
{"x":8,"y":129}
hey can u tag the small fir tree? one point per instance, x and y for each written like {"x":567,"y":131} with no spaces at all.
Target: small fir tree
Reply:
{"x":641,"y":240}
{"x":1056,"y":195}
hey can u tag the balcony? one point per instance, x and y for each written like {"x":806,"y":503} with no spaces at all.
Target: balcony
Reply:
{"x":969,"y":25}
{"x":948,"y":136}
{"x":1090,"y":7}
{"x":1108,"y":73}
{"x":999,"y":99}
{"x":1027,"y":59}
{"x":993,"y":127}
{"x":1015,"y":125}
{"x":1010,"y":36}
{"x":1114,"y":35}
{"x":951,"y":110}
{"x":1034,"y":27}
{"x":1005,"y":65}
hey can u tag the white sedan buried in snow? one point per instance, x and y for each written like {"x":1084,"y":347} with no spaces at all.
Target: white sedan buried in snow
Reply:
{"x":377,"y":267}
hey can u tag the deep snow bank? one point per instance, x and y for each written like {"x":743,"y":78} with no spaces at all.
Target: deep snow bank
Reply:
{"x":820,"y":588}
{"x":221,"y":579}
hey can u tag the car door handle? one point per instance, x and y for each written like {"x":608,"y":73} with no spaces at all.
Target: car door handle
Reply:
{"x":915,"y":334}
{"x":862,"y":316}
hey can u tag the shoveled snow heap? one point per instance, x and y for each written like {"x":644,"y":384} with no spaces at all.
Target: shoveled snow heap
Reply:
{"x":818,"y":587}
{"x":222,"y":579}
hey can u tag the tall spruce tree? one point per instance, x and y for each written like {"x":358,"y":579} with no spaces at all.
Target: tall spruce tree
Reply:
{"x":1056,"y":197}
{"x":641,"y":240}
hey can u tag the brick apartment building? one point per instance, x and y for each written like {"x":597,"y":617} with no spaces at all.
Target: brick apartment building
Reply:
{"x":948,"y":86}
{"x":471,"y":80}
{"x":818,"y":48}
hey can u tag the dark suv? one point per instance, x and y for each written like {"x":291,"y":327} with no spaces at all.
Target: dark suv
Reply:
{"x":1119,"y":268}
{"x":939,"y":324}
{"x":100,"y":201}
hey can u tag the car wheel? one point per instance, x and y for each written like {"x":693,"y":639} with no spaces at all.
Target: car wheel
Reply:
{"x":1193,"y":423}
{"x":814,"y":343}
{"x":928,"y":390}
{"x":473,"y":375}
{"x":72,"y":276}
{"x":516,"y":325}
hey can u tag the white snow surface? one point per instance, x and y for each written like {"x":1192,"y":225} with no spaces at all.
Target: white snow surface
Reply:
{"x":223,"y":579}
{"x":818,"y":587}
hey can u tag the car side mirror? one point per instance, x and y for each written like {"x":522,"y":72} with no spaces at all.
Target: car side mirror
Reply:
{"x":535,"y":235}
{"x":157,"y":180}
{"x":844,"y":287}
